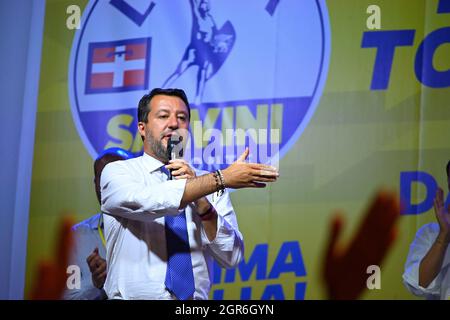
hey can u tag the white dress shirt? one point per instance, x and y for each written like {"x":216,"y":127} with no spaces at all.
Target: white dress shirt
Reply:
{"x":439,"y":288}
{"x":135,"y":198}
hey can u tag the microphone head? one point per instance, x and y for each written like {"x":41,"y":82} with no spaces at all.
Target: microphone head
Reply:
{"x":169,"y":148}
{"x":175,"y":147}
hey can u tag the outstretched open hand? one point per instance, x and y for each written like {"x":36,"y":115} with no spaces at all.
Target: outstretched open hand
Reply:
{"x":345,"y":269}
{"x":442,"y":215}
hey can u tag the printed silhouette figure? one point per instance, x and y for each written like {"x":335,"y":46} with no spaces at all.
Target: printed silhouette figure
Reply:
{"x":208,"y":49}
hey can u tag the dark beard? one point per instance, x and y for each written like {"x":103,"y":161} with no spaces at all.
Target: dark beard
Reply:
{"x":157,"y":147}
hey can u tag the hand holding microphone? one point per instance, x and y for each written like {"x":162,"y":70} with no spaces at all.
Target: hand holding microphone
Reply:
{"x":178,"y":167}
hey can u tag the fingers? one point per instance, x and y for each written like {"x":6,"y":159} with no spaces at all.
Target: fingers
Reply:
{"x":257,"y":185}
{"x":51,"y":275}
{"x":99,"y":273}
{"x":99,"y":280}
{"x":393,"y":236}
{"x":181,"y":171}
{"x":258,"y":181}
{"x":92,"y":256}
{"x":44,"y":286}
{"x":102,"y":276}
{"x":179,"y":168}
{"x":256,"y":165}
{"x":243,"y":156}
{"x":265,"y":179}
{"x":267,"y":175}
{"x":336,"y":226}
{"x":330,"y":263}
{"x":92,"y":265}
{"x":176,"y":163}
{"x":390,"y":211}
{"x":265,"y":167}
{"x":243,"y":175}
{"x":99,"y":270}
{"x":378,"y":229}
{"x":378,"y":221}
{"x":379,"y":207}
{"x":439,"y":197}
{"x":263,"y":170}
{"x":98,"y":266}
{"x":94,"y":261}
{"x":174,"y":166}
{"x":66,"y":241}
{"x":438,"y":203}
{"x":184,"y":176}
{"x":436,"y":207}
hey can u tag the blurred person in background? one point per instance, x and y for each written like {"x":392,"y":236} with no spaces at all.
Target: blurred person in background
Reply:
{"x":427,"y":267}
{"x":89,"y":248}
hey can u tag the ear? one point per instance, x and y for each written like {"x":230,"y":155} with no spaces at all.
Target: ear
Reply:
{"x":141,"y":128}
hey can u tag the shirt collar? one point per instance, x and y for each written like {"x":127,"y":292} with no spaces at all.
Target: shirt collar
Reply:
{"x":151,"y":164}
{"x":93,"y":221}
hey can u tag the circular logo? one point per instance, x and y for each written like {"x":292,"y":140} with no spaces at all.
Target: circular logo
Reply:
{"x":253,"y":71}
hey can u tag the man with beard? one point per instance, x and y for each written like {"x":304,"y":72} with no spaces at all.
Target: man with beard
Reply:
{"x":162,"y":235}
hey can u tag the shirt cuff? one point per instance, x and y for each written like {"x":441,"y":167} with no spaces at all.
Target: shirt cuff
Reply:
{"x":224,"y":240}
{"x":411,"y":278}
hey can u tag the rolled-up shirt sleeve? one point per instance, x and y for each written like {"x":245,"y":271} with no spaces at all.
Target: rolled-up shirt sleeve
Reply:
{"x":422,"y":243}
{"x":228,"y":245}
{"x":124,"y":193}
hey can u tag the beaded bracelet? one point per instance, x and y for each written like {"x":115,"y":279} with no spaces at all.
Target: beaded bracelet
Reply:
{"x":220,"y":183}
{"x":222,"y":180}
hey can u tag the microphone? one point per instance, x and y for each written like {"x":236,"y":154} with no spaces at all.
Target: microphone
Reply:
{"x":174,"y":149}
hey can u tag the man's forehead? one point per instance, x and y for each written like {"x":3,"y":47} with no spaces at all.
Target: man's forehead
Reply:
{"x":167,"y":101}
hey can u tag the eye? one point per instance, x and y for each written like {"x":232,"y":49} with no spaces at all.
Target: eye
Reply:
{"x":163,"y":116}
{"x":182,"y":117}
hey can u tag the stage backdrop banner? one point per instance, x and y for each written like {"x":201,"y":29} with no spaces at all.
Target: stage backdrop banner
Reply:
{"x":344,"y":97}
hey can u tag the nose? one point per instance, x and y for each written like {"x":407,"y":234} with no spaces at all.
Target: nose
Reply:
{"x":173,"y":122}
